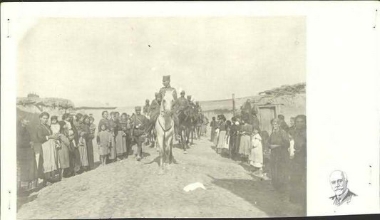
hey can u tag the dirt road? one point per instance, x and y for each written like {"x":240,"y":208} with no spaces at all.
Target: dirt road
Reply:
{"x":135,"y":189}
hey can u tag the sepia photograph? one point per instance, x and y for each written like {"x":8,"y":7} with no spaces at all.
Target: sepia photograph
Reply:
{"x":194,"y":109}
{"x":162,"y":117}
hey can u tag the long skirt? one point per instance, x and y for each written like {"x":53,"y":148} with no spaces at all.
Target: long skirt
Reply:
{"x":256,"y":156}
{"x":50,"y":156}
{"x":227,"y":142}
{"x":63,"y":157}
{"x":112,"y":150}
{"x":279,"y":160}
{"x":216,"y":138}
{"x":232,"y":143}
{"x":212,"y":135}
{"x":26,"y":164}
{"x":237,"y":143}
{"x":83,"y":154}
{"x":221,"y":140}
{"x":90,"y":152}
{"x":245,"y":145}
{"x":298,"y":180}
{"x":121,"y":144}
{"x":75,"y":162}
{"x":204,"y":129}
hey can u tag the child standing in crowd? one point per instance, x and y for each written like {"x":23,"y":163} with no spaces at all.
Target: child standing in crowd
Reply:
{"x":256,"y":156}
{"x":104,"y":141}
{"x":55,"y":128}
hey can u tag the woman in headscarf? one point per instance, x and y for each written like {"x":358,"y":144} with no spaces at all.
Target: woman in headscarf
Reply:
{"x":104,"y":120}
{"x":26,"y":163}
{"x":83,"y":131}
{"x":120,"y":142}
{"x":112,"y":128}
{"x":63,"y":153}
{"x":233,"y":135}
{"x":279,"y":144}
{"x":245,"y":139}
{"x":216,"y":137}
{"x":46,"y":141}
{"x":89,"y":141}
{"x":74,"y":154}
{"x":122,"y":135}
{"x":222,"y":135}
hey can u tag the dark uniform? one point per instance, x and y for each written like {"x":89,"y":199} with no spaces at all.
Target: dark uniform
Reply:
{"x":146,"y":108}
{"x":298,"y":167}
{"x":182,"y":105}
{"x":191,"y":103}
{"x":139,"y":123}
{"x":154,"y":111}
{"x":198,"y":108}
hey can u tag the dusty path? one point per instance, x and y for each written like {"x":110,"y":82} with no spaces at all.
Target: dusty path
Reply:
{"x":134,"y":189}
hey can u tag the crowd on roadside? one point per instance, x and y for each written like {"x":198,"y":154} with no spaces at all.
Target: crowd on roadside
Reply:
{"x":56,"y":149}
{"x":278,"y":155}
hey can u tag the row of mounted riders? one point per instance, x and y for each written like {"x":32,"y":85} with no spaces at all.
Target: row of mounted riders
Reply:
{"x":188,"y":128}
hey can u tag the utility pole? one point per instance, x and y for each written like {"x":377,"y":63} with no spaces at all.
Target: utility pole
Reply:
{"x":233,"y":104}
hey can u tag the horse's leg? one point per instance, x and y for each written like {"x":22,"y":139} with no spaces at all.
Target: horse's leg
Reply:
{"x":192,"y":135}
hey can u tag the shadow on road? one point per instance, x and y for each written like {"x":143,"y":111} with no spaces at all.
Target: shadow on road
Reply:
{"x":24,"y":199}
{"x":145,"y":154}
{"x":179,"y":146}
{"x":260,"y":194}
{"x":157,"y":161}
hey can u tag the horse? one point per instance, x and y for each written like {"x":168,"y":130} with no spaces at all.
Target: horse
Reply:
{"x":198,"y":124}
{"x":165,"y":131}
{"x":192,"y":124}
{"x":185,"y":123}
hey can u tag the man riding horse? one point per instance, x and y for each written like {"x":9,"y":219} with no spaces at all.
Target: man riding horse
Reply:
{"x":154,"y":111}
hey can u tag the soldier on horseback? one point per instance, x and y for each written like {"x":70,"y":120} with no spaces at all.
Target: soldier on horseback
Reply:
{"x":191,"y":103}
{"x":182,"y":104}
{"x":165,"y":89}
{"x":154,"y":111}
{"x":146,"y":108}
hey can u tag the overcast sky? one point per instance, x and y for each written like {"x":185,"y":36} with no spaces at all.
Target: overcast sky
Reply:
{"x":122,"y":60}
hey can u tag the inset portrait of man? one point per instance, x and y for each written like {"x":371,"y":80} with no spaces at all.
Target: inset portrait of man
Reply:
{"x":339,"y":184}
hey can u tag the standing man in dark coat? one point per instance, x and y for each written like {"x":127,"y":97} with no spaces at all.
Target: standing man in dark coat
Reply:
{"x":139,"y":123}
{"x":298,"y":163}
{"x":213,"y":127}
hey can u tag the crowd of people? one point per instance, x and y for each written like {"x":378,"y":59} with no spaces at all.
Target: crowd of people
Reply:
{"x":56,"y":149}
{"x":279,"y":156}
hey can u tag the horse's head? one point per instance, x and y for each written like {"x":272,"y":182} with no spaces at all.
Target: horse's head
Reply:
{"x":166,"y":103}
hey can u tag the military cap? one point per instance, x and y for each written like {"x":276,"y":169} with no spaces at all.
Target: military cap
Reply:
{"x":138,"y":108}
{"x":166,"y":78}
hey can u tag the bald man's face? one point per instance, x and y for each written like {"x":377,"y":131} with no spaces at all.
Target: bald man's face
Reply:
{"x":338,"y":183}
